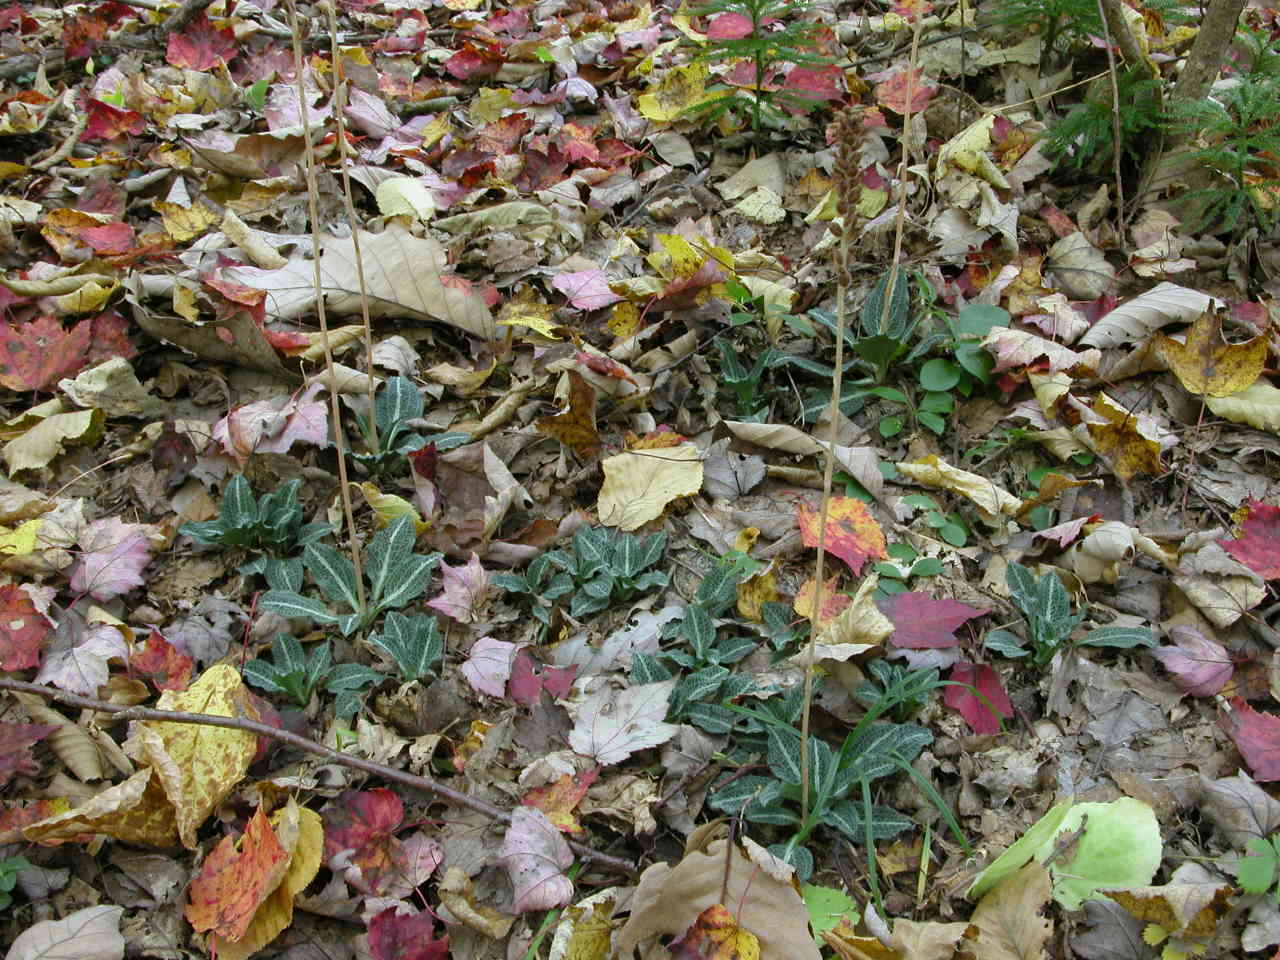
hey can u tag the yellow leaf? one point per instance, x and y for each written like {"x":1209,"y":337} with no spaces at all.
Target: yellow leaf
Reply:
{"x":199,"y":765}
{"x":858,"y":628}
{"x":1126,"y":440}
{"x":638,"y":485}
{"x":677,"y":91}
{"x":20,"y":542}
{"x":388,"y":507}
{"x":135,"y":811}
{"x":1258,"y":405}
{"x":1206,"y":365}
{"x":991,"y":500}
{"x":39,"y":445}
{"x":527,"y":309}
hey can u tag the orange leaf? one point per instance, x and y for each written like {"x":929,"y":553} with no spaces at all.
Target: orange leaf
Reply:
{"x":235,"y":880}
{"x":852,"y":533}
{"x":715,"y":935}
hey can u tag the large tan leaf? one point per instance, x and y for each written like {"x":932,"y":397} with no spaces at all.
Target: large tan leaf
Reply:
{"x":1008,"y":918}
{"x":89,"y":934}
{"x":1130,"y":322}
{"x":135,"y":811}
{"x":638,"y":484}
{"x":670,"y":899}
{"x":405,"y":276}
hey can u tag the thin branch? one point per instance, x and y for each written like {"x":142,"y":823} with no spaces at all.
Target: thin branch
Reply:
{"x":304,"y":744}
{"x":313,"y":191}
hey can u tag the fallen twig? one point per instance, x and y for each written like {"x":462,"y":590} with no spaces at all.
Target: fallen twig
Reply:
{"x":299,"y":743}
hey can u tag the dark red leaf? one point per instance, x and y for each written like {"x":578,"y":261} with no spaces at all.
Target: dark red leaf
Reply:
{"x":22,"y":629}
{"x":1259,"y":548}
{"x":359,"y":818}
{"x":1256,"y":736}
{"x":36,"y":355}
{"x":977,"y":710}
{"x":16,"y":740}
{"x":201,"y":46}
{"x":162,"y":664}
{"x":921,"y":622}
{"x":409,"y":937}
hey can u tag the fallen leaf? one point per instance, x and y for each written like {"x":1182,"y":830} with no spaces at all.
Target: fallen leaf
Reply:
{"x":1256,"y":736}
{"x":985,"y":705}
{"x":488,"y":666}
{"x":852,"y":533}
{"x":586,"y":289}
{"x":992,"y":500}
{"x":921,"y":621}
{"x":92,"y":933}
{"x":1259,"y":546}
{"x":234,"y":880}
{"x":715,"y":935}
{"x":575,"y":427}
{"x":16,"y":741}
{"x":22,"y":629}
{"x":465,"y":590}
{"x":1007,"y":921}
{"x":1200,"y":666}
{"x":1206,"y":365}
{"x":36,"y":355}
{"x":536,"y":856}
{"x":161,"y":663}
{"x":557,"y":800}
{"x":612,"y":724}
{"x":399,"y":936}
{"x":79,"y":665}
{"x":639,"y":484}
{"x":115,"y":554}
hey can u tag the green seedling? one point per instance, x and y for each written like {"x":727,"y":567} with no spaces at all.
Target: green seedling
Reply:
{"x":1050,"y":622}
{"x":609,"y":565}
{"x":906,"y":563}
{"x":1258,"y":871}
{"x":413,"y":644}
{"x":540,"y":585}
{"x":291,"y":672}
{"x":10,"y":867}
{"x":771,"y":37}
{"x":395,"y":575}
{"x":397,"y":403}
{"x":271,"y":524}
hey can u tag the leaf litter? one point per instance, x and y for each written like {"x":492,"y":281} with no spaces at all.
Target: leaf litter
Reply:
{"x":620,"y":308}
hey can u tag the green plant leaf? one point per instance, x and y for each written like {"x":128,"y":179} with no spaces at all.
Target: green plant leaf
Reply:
{"x":389,"y":549}
{"x":1257,"y":871}
{"x":784,"y":755}
{"x":799,"y":857}
{"x":412,"y":643}
{"x":408,"y":580}
{"x":939,"y":375}
{"x":698,"y":629}
{"x":1120,"y":847}
{"x":1124,"y":637}
{"x":1005,"y":643}
{"x":828,"y":908}
{"x":334,"y":574}
{"x":846,"y":816}
{"x":398,"y":400}
{"x":294,"y":605}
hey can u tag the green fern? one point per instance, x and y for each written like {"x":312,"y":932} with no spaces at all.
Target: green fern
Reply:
{"x":1085,"y":137}
{"x":1238,"y":135}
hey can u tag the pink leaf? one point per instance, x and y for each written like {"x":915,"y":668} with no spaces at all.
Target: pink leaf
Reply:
{"x":920,"y":621}
{"x":81,"y":666}
{"x":1200,"y":666}
{"x":273,"y":426}
{"x":536,"y":856}
{"x":729,"y":26}
{"x":466,"y":587}
{"x":393,"y":936}
{"x":489,"y":665}
{"x":815,"y":83}
{"x":893,"y":92}
{"x":586,"y":289}
{"x":529,"y":679}
{"x":977,"y":710}
{"x":115,"y":554}
{"x":1256,"y":736}
{"x":1259,"y":548}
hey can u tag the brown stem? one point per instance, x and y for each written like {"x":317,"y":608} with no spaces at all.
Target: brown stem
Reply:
{"x":298,"y":743}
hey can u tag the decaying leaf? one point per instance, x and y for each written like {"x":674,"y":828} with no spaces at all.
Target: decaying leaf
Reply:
{"x":1208,"y":366}
{"x":641,"y":483}
{"x":852,"y":533}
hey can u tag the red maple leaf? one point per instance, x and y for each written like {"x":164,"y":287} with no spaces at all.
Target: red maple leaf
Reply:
{"x":202,"y":47}
{"x":36,"y":355}
{"x":528,"y":681}
{"x":977,"y":705}
{"x":161,"y":663}
{"x":22,"y":629}
{"x":921,"y":622}
{"x":558,"y":800}
{"x":852,"y":533}
{"x":236,"y":878}
{"x":108,"y":123}
{"x":405,"y":937}
{"x":16,"y":740}
{"x":364,"y":822}
{"x":1259,"y":548}
{"x":1256,"y":736}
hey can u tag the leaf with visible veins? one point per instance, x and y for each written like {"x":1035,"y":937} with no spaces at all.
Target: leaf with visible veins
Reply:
{"x":921,"y":622}
{"x":1259,"y":547}
{"x":1256,"y":736}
